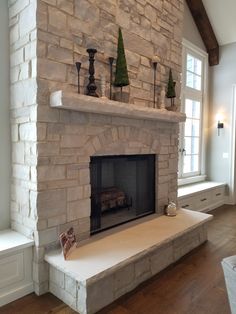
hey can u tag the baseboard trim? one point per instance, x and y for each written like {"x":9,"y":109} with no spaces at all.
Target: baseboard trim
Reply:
{"x":16,"y":293}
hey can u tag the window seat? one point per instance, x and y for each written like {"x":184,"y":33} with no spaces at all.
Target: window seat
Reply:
{"x":202,"y":196}
{"x":15,"y":266}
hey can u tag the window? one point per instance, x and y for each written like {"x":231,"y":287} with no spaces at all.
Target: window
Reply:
{"x":191,"y":150}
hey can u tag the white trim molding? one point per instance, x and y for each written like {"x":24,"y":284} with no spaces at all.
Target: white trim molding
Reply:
{"x":232,"y":170}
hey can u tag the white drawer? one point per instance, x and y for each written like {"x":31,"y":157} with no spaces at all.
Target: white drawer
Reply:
{"x":218,"y":194}
{"x":188,"y":203}
{"x":203,"y":200}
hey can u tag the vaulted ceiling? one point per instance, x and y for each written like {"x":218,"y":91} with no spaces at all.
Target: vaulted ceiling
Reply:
{"x":216,"y":22}
{"x":222,"y":15}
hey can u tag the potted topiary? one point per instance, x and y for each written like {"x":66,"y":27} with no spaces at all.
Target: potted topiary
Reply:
{"x":170,"y":93}
{"x":121,"y":74}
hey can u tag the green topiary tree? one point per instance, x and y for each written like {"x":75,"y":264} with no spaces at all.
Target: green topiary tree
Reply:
{"x":121,"y":75}
{"x":171,"y":88}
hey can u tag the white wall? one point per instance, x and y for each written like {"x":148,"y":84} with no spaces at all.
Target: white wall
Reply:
{"x":5,"y":145}
{"x":190,"y":31}
{"x":222,"y":78}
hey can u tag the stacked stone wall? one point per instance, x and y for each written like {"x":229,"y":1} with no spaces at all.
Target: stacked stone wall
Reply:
{"x":51,"y":148}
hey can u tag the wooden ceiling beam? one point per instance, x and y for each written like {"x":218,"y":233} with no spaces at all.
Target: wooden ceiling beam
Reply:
{"x":205,"y":29}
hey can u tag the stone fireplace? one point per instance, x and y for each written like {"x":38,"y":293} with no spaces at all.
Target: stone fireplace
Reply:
{"x":52,"y":147}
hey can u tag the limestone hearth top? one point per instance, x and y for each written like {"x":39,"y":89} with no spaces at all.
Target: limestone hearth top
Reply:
{"x":82,"y":103}
{"x":100,"y":256}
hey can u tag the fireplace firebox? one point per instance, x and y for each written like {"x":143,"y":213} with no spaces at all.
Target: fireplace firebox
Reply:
{"x":122,"y":189}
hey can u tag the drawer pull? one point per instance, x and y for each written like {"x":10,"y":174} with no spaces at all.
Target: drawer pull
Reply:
{"x":218,"y":194}
{"x":185,"y":206}
{"x":203,"y":199}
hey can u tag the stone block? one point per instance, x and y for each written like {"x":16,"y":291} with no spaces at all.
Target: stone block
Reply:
{"x":45,"y":237}
{"x":21,"y":172}
{"x":18,"y":152}
{"x":124,"y":280}
{"x":57,"y":277}
{"x":27,"y":21}
{"x":51,"y":203}
{"x":73,"y":140}
{"x":28,"y":132}
{"x":51,"y":70}
{"x":19,"y":99}
{"x":57,"y":19}
{"x":78,"y":209}
{"x":186,"y":243}
{"x":17,"y":57}
{"x":138,"y":45}
{"x":31,"y":50}
{"x":71,"y":285}
{"x":96,"y":301}
{"x":161,"y":258}
{"x":50,"y":173}
{"x":142,"y":270}
{"x":56,"y":221}
{"x":48,"y":149}
{"x":84,"y":176}
{"x":40,"y":271}
{"x":17,"y":7}
{"x":60,"y":54}
{"x":75,"y":193}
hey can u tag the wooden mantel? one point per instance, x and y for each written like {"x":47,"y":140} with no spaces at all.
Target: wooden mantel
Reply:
{"x":82,"y":103}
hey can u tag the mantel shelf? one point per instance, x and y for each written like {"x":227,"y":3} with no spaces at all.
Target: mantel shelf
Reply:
{"x":82,"y":103}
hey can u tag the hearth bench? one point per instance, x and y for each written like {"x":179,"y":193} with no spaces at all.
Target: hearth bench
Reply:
{"x":112,"y":264}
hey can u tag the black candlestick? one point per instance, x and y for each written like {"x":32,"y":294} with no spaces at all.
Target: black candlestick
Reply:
{"x":78,"y":67}
{"x":154,"y":83}
{"x":111,"y":60}
{"x":91,"y":87}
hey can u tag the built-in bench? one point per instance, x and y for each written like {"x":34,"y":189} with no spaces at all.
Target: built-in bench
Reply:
{"x":15,"y":266}
{"x":202,"y":196}
{"x":99,"y":272}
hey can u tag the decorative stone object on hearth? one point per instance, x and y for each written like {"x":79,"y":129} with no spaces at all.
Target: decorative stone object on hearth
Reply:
{"x":111,"y":60}
{"x":154,"y":63}
{"x":121,"y":75}
{"x":78,"y":67}
{"x":170,"y":93}
{"x":171,"y":209}
{"x":91,"y":87}
{"x":68,"y":242}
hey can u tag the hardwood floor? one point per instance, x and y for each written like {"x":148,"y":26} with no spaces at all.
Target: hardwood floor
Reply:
{"x":193,"y":285}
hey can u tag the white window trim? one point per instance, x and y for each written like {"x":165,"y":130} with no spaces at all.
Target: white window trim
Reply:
{"x":187,"y":45}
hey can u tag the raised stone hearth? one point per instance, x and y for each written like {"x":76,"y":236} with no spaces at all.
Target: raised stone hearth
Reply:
{"x":99,"y":272}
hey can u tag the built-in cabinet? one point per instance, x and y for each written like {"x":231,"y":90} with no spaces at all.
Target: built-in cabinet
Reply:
{"x":15,"y":266}
{"x":203,"y":196}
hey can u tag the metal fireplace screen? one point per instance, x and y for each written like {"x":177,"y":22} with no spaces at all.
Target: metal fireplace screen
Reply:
{"x":122,"y":189}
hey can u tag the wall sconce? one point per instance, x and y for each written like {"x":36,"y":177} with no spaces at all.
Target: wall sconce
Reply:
{"x":220,"y":125}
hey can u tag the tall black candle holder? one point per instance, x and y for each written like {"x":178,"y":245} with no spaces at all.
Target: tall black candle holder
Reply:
{"x":78,"y":67}
{"x":154,"y":82}
{"x":111,"y":60}
{"x":91,"y":87}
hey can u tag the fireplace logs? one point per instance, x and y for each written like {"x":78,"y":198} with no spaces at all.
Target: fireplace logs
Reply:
{"x":112,"y":198}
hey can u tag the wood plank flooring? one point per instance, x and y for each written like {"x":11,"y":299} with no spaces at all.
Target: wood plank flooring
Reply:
{"x":193,"y":285}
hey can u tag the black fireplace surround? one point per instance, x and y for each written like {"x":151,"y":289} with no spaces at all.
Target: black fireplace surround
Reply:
{"x":122,"y":189}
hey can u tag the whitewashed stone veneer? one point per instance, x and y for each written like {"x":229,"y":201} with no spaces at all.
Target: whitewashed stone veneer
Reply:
{"x":51,"y":147}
